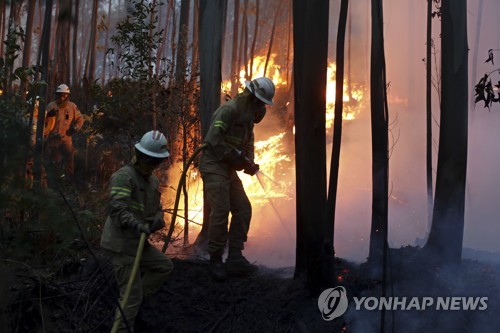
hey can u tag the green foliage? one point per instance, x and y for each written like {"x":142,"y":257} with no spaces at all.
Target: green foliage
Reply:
{"x":137,"y":40}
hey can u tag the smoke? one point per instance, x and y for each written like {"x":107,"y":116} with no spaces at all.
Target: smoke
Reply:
{"x":271,"y":239}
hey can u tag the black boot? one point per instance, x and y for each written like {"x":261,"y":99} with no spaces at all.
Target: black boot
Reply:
{"x":238,"y":265}
{"x":217,"y":269}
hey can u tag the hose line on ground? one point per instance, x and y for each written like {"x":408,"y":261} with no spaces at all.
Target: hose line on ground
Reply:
{"x":182,"y":179}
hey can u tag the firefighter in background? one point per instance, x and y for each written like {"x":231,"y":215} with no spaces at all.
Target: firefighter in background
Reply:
{"x":230,"y":148}
{"x":135,"y":208}
{"x":66,"y":121}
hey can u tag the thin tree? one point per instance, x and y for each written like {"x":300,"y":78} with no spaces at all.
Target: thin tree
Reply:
{"x":235,"y":69}
{"x":254,"y":42}
{"x":446,"y":235}
{"x":45,"y":42}
{"x":337,"y":138}
{"x":273,"y":30}
{"x":428,"y":108}
{"x":106,"y":44}
{"x":91,"y":55}
{"x":74,"y":62}
{"x":379,"y":125}
{"x":310,"y":32}
{"x":27,"y":46}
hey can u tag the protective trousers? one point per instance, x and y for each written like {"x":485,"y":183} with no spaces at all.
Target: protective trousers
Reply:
{"x":58,"y":151}
{"x":154,"y":268}
{"x":225,"y":195}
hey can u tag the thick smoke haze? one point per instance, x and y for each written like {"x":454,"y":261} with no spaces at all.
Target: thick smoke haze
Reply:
{"x":405,"y":31}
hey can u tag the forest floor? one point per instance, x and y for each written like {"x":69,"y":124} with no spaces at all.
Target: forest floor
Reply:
{"x":77,"y":299}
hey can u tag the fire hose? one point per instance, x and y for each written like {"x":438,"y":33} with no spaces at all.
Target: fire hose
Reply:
{"x":135,"y":268}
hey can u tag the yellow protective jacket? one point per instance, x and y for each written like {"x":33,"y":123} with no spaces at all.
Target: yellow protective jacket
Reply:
{"x":134,"y":198}
{"x":231,"y":128}
{"x":67,"y":117}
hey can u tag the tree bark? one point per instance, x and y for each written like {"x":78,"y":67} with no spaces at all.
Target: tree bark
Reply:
{"x":235,"y":69}
{"x":310,"y":33}
{"x":273,"y":30}
{"x":337,"y":137}
{"x":428,"y":107}
{"x":27,"y":46}
{"x":211,"y":22}
{"x":254,"y":42}
{"x":446,"y":234}
{"x":379,"y":119}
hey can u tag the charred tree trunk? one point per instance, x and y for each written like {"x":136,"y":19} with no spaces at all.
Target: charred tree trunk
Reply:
{"x":428,"y":107}
{"x":311,"y":55}
{"x":328,"y":247}
{"x":211,"y":22}
{"x":379,"y":119}
{"x":446,"y":234}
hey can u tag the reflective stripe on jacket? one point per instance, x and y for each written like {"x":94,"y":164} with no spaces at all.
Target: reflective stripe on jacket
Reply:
{"x":133,"y":199}
{"x":231,"y":128}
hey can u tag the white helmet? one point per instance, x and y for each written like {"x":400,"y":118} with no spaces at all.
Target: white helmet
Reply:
{"x":62,"y":88}
{"x":262,"y":88}
{"x":153,"y":144}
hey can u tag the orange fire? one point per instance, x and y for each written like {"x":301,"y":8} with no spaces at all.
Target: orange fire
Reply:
{"x":276,"y":181}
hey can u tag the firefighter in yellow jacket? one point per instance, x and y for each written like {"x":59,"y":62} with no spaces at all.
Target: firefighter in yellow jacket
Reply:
{"x":230,"y":148}
{"x":135,"y":208}
{"x":63,"y":119}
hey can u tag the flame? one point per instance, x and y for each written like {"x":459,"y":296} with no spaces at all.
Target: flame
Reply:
{"x":271,"y":158}
{"x":270,"y":153}
{"x":351,"y":99}
{"x":273,"y":71}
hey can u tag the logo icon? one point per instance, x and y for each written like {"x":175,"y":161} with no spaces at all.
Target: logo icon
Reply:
{"x":332,"y":303}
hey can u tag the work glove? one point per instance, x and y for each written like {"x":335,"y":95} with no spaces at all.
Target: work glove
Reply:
{"x":140,"y":228}
{"x":157,"y":225}
{"x":239,"y":162}
{"x":251,"y":169}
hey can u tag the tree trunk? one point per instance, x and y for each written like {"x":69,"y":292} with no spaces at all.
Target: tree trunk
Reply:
{"x":27,"y":46}
{"x":161,"y":48}
{"x":337,"y":138}
{"x":90,"y":64}
{"x":211,"y":22}
{"x":76,"y":13}
{"x":235,"y":69}
{"x":255,"y":33}
{"x":428,"y":101}
{"x":273,"y":30}
{"x":379,"y":119}
{"x":310,"y":33}
{"x":446,"y":234}
{"x":45,"y":42}
{"x":106,"y":45}
{"x":182,"y":41}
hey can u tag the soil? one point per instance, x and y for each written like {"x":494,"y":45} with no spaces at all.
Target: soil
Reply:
{"x":269,"y":301}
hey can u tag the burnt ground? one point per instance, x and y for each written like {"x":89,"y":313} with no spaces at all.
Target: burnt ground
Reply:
{"x":77,"y":299}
